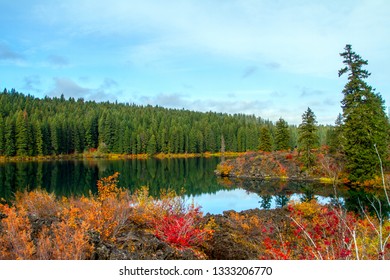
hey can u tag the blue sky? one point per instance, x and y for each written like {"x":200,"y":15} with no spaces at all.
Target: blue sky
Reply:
{"x":268,"y":58}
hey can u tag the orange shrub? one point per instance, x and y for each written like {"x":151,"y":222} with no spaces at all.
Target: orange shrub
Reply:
{"x":108,"y":213}
{"x":65,"y":240}
{"x":107,"y":187}
{"x":62,"y":227}
{"x":224,"y":169}
{"x":15,"y":234}
{"x":38,"y":203}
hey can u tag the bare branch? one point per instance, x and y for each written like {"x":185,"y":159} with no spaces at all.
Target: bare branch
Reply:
{"x":368,"y":218}
{"x":308,"y":237}
{"x":383,"y":176}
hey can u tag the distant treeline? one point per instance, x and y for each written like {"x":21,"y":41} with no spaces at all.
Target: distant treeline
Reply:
{"x":30,"y":126}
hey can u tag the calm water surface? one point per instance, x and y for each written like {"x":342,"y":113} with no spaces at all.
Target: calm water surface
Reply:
{"x":195,"y":175}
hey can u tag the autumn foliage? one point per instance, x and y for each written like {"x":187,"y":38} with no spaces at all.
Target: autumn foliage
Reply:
{"x":183,"y":229}
{"x":314,"y":232}
{"x":321,"y":232}
{"x":171,"y":219}
{"x":40,"y":226}
{"x":301,"y":231}
{"x":224,"y":169}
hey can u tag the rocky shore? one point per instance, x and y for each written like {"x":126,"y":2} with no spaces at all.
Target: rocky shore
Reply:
{"x":234,"y":238}
{"x":283,"y":165}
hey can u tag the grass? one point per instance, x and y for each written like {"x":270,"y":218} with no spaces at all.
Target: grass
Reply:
{"x":115,"y":156}
{"x":326,"y":180}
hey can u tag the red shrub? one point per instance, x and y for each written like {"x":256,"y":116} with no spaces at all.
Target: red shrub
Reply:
{"x":183,"y":229}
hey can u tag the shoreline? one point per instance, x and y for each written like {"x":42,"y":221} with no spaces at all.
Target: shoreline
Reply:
{"x":112,"y":156}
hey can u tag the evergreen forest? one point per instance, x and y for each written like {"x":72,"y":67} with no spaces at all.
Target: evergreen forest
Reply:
{"x":31,"y":126}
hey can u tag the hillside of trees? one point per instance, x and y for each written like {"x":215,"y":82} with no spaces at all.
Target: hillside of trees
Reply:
{"x":32,"y":126}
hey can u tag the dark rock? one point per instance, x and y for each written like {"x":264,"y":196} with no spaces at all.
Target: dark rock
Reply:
{"x":225,"y":244}
{"x":229,"y":242}
{"x":117,"y":254}
{"x":137,"y":245}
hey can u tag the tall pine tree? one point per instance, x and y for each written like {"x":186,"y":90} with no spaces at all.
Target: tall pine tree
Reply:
{"x":307,"y":138}
{"x":282,"y":135}
{"x":365,"y":122}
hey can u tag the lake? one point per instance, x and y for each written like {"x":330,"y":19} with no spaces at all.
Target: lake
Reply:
{"x":194,"y":175}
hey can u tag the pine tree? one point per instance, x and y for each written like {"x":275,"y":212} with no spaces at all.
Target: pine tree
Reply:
{"x":46,"y":137}
{"x":365,"y":121}
{"x":307,"y":138}
{"x":265,"y":140}
{"x":31,"y":151}
{"x":133,"y":142}
{"x":209,"y":139}
{"x":241,"y":139}
{"x":78,"y":136}
{"x":38,"y":139}
{"x":151,"y":149}
{"x":282,"y":135}
{"x":109,"y":131}
{"x":21,"y":131}
{"x":199,"y":142}
{"x":192,"y":141}
{"x":54,"y":137}
{"x":2,"y":142}
{"x":163,"y":140}
{"x":127,"y":141}
{"x":9,"y":137}
{"x":252,"y":138}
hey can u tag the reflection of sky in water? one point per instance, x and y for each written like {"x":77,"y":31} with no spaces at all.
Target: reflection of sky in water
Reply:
{"x":240,"y":200}
{"x":320,"y":199}
{"x":237,"y":199}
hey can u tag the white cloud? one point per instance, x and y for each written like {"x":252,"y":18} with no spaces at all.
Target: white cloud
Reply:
{"x":229,"y":103}
{"x":304,"y":36}
{"x":172,"y":100}
{"x":70,"y":88}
